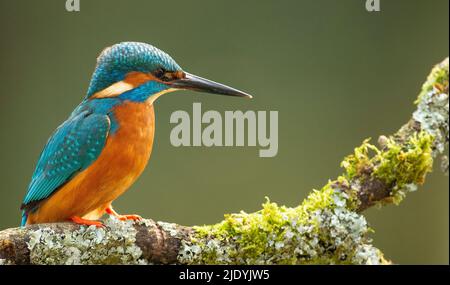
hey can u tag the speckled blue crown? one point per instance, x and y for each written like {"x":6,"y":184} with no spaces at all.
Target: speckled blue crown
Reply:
{"x":116,"y":61}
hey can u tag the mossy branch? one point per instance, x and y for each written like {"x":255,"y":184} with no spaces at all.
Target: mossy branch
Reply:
{"x":327,"y":228}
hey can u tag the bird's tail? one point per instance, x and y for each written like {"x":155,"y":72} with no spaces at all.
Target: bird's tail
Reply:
{"x":24,"y":219}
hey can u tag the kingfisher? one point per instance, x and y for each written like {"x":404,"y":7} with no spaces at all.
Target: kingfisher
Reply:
{"x":102,"y":148}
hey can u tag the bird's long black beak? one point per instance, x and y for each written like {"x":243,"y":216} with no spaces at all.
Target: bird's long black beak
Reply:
{"x":197,"y":83}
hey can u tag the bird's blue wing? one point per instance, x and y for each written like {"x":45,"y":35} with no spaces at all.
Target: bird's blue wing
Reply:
{"x":72,"y":148}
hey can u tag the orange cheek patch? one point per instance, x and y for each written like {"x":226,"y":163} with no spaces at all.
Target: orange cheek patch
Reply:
{"x":138,"y":78}
{"x":131,"y":81}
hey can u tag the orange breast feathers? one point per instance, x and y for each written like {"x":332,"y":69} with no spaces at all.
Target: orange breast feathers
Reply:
{"x":121,"y":162}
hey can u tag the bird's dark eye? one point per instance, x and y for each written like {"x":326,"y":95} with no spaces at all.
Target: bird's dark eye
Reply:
{"x":159,"y":73}
{"x":163,"y":74}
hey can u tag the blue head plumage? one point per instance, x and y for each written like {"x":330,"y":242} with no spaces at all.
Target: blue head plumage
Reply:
{"x":115,"y":62}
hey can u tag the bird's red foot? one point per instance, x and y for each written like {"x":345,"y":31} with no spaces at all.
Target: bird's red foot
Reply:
{"x":81,"y":221}
{"x":110,"y":211}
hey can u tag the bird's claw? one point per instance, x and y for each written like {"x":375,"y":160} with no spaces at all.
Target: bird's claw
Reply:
{"x":111,"y":212}
{"x":129,"y":217}
{"x":85,"y":222}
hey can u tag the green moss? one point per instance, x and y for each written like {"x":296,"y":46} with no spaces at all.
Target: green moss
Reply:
{"x":317,"y":200}
{"x":360,"y":160}
{"x":254,"y":231}
{"x":319,"y":231}
{"x":401,"y":166}
{"x":408,"y":163}
{"x":438,"y":79}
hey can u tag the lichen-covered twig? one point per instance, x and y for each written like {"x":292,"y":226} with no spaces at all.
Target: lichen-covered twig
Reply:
{"x":327,"y":228}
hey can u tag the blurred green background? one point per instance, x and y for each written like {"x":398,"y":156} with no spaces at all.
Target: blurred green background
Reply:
{"x":336,"y":73}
